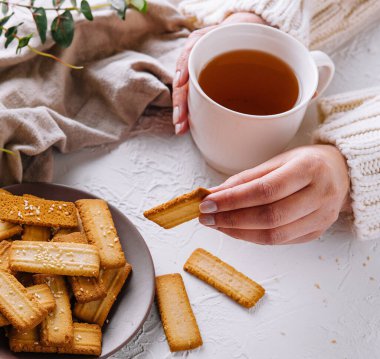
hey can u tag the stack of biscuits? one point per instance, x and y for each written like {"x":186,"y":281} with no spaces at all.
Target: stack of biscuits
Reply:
{"x":61,"y":269}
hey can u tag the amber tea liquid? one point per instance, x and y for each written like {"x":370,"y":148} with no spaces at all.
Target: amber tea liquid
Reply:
{"x":250,"y":81}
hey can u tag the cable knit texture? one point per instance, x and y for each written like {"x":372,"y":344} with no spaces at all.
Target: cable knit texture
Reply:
{"x":351,"y":121}
{"x":323,"y":25}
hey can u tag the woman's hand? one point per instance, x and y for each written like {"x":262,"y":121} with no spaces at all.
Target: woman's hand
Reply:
{"x":292,"y":198}
{"x":180,"y":83}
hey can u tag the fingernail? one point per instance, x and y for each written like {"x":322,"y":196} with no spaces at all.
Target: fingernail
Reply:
{"x":178,"y":128}
{"x":176,"y":115}
{"x":177,"y":77}
{"x":208,"y":207}
{"x":207,"y":220}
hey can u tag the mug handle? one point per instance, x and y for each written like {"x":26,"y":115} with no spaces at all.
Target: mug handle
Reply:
{"x":326,"y":69}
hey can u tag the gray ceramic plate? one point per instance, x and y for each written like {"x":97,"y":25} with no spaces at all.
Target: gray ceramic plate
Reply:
{"x":136,"y":298}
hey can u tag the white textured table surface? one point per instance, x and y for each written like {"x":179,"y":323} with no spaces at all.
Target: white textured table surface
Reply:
{"x":323,"y":298}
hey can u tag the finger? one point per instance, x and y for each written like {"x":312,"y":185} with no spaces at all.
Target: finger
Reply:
{"x":272,"y":215}
{"x":181,"y":128}
{"x":180,"y":109}
{"x":251,"y":174}
{"x":304,"y":239}
{"x":312,"y":223}
{"x":182,"y":72}
{"x":278,"y":184}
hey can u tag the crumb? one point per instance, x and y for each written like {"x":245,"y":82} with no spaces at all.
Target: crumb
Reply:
{"x":364,"y":264}
{"x":316,"y":285}
{"x":337,"y":260}
{"x":333,"y":341}
{"x":283,"y":333}
{"x":368,"y":258}
{"x":320,"y":258}
{"x":371,"y":278}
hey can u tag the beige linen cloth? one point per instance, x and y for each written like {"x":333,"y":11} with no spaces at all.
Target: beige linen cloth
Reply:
{"x":43,"y":104}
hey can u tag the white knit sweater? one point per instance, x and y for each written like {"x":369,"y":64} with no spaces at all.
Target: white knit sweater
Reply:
{"x":350,"y":121}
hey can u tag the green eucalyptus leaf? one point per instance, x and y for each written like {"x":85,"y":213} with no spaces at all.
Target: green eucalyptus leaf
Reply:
{"x":22,"y":42}
{"x":140,"y":5}
{"x":39,"y":17}
{"x":62,"y":29}
{"x":120,"y":6}
{"x":5,"y":8}
{"x":5,"y":19}
{"x":86,"y":10}
{"x":10,"y":35}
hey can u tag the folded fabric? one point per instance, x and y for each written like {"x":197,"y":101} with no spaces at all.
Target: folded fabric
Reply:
{"x":128,"y":65}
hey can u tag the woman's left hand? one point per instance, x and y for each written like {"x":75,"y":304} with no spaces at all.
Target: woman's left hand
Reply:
{"x":292,"y":198}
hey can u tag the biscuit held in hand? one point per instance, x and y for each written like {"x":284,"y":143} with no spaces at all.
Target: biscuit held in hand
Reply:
{"x":179,"y":210}
{"x":177,"y":316}
{"x":224,"y":278}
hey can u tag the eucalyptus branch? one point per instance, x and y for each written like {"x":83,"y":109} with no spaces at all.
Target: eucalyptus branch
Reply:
{"x":62,"y":27}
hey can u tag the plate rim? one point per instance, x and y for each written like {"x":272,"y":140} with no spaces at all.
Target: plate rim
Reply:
{"x":114,"y":208}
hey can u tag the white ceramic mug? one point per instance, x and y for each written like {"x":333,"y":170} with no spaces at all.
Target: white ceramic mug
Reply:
{"x":231,"y":141}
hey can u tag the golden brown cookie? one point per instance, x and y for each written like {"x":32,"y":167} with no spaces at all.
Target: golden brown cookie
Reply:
{"x":179,"y":210}
{"x":97,"y":311}
{"x":57,"y":327}
{"x":224,"y":278}
{"x":177,"y":316}
{"x":100,"y":231}
{"x":36,"y":233}
{"x":73,"y":259}
{"x":18,"y":306}
{"x":36,"y":211}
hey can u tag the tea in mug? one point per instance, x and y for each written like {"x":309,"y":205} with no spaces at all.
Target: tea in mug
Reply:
{"x":251,"y":82}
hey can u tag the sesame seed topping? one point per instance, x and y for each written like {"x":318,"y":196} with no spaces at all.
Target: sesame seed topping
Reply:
{"x":56,"y":328}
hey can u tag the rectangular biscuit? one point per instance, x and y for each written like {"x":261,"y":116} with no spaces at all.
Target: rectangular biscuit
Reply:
{"x":97,"y":311}
{"x":178,"y":320}
{"x":36,"y":211}
{"x":5,"y":247}
{"x":57,"y":327}
{"x":36,"y":233}
{"x":224,"y":278}
{"x":8,"y":230}
{"x":18,"y":306}
{"x":179,"y":210}
{"x":43,"y":296}
{"x":87,"y":341}
{"x":85,"y":289}
{"x":73,"y":259}
{"x":100,"y":230}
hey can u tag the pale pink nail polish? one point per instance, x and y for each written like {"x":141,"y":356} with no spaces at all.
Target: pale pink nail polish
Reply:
{"x":178,"y":128}
{"x":175,"y":115}
{"x":208,"y":207}
{"x":207,"y":220}
{"x":177,"y":77}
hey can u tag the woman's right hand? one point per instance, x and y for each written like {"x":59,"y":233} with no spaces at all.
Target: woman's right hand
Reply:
{"x":181,"y":78}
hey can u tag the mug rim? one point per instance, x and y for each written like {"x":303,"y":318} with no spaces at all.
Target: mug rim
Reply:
{"x":268,"y":28}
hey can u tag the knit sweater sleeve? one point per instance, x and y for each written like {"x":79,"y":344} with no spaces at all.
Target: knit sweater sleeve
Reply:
{"x":351,"y":122}
{"x":291,"y":16}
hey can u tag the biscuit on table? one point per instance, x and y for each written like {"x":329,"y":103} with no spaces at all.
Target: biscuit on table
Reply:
{"x":87,"y":341}
{"x":179,"y":210}
{"x":73,"y":259}
{"x":57,"y":327}
{"x":18,"y":306}
{"x":43,"y":296}
{"x":37,"y":211}
{"x":100,"y":231}
{"x":224,"y":278}
{"x":85,"y":289}
{"x":97,"y":311}
{"x":178,"y":320}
